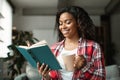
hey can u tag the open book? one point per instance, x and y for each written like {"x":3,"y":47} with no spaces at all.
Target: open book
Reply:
{"x":39,"y":52}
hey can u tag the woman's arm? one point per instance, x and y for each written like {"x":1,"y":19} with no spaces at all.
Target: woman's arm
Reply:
{"x":99,"y":65}
{"x":95,"y":67}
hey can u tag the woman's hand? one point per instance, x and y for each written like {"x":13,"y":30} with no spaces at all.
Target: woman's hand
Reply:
{"x":43,"y":70}
{"x":79,"y":62}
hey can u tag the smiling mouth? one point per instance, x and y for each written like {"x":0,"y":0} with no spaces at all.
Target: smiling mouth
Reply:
{"x":65,"y":31}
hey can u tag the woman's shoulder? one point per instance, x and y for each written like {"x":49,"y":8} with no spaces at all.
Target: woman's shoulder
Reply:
{"x":53,"y":46}
{"x":91,"y":42}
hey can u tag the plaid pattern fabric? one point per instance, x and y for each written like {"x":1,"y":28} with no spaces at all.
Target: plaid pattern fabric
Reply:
{"x":95,"y":68}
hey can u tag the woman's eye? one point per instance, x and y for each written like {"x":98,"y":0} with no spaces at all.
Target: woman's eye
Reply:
{"x":60,"y":23}
{"x":68,"y":22}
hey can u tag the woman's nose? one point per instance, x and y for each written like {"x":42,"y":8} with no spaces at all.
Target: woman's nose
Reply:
{"x":63,"y":26}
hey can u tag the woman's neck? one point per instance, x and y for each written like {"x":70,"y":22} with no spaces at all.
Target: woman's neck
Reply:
{"x":71,"y":44}
{"x":72,"y":40}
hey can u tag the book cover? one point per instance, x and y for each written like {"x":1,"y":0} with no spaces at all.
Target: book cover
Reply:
{"x":41,"y":54}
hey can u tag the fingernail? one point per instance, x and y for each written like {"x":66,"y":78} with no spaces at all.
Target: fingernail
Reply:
{"x":43,"y":63}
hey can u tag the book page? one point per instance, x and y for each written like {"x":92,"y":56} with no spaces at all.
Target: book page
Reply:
{"x":38,"y":44}
{"x":25,"y":47}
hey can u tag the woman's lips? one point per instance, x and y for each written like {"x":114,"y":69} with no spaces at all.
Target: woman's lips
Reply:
{"x":65,"y":31}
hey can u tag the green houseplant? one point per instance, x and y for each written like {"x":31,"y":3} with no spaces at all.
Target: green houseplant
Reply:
{"x":16,"y":61}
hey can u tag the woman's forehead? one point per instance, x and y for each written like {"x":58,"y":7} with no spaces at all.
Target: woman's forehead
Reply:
{"x":66,"y":15}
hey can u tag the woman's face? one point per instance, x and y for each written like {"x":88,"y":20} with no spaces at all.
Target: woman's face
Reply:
{"x":68,"y":25}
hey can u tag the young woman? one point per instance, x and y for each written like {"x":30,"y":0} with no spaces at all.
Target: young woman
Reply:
{"x":76,"y":38}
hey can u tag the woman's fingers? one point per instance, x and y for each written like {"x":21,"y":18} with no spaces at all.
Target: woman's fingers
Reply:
{"x":43,"y":69}
{"x":79,"y":62}
{"x":38,"y":65}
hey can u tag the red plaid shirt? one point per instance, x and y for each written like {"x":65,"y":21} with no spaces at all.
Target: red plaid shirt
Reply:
{"x":95,"y":68}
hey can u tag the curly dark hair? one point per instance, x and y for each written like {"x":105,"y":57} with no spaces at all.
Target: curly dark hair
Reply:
{"x":86,"y":29}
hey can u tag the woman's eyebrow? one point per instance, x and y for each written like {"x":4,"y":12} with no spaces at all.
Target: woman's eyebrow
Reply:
{"x":68,"y":19}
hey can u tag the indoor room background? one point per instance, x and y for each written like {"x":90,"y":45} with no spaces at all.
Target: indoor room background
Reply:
{"x":38,"y":17}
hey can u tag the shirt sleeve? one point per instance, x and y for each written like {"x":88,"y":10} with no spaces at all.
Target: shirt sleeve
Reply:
{"x":98,"y":64}
{"x":95,"y":69}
